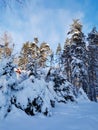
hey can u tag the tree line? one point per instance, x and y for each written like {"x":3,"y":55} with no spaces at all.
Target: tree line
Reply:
{"x":77,"y":60}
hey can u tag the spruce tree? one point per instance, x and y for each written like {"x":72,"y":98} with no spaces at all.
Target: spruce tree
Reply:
{"x":66,"y":57}
{"x":75,"y":51}
{"x":93,"y":63}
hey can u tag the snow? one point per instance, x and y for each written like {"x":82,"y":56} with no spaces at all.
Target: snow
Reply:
{"x":72,"y":116}
{"x":28,"y":94}
{"x":82,"y":97}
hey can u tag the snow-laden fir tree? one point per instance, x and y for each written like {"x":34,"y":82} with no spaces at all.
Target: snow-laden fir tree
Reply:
{"x":93,"y":63}
{"x":8,"y":85}
{"x":76,"y":57}
{"x":61,"y":87}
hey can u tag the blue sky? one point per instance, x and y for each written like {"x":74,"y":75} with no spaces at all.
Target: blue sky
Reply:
{"x":48,"y":20}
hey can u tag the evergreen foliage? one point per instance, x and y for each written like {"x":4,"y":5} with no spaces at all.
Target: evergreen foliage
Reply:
{"x":93,"y":63}
{"x":43,"y":78}
{"x":75,"y":57}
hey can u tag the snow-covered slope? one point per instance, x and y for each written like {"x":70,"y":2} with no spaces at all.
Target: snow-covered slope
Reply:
{"x":77,"y":116}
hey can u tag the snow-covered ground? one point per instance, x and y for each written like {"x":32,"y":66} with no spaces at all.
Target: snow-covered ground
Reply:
{"x":72,"y":116}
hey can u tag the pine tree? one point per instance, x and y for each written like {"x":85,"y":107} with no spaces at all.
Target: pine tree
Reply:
{"x":29,"y":54}
{"x":45,"y":51}
{"x":23,"y":58}
{"x":6,"y":45}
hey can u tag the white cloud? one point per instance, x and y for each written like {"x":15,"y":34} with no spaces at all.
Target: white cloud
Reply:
{"x":50,"y":25}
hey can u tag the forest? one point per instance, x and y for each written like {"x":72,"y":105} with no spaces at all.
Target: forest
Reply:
{"x":38,"y":78}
